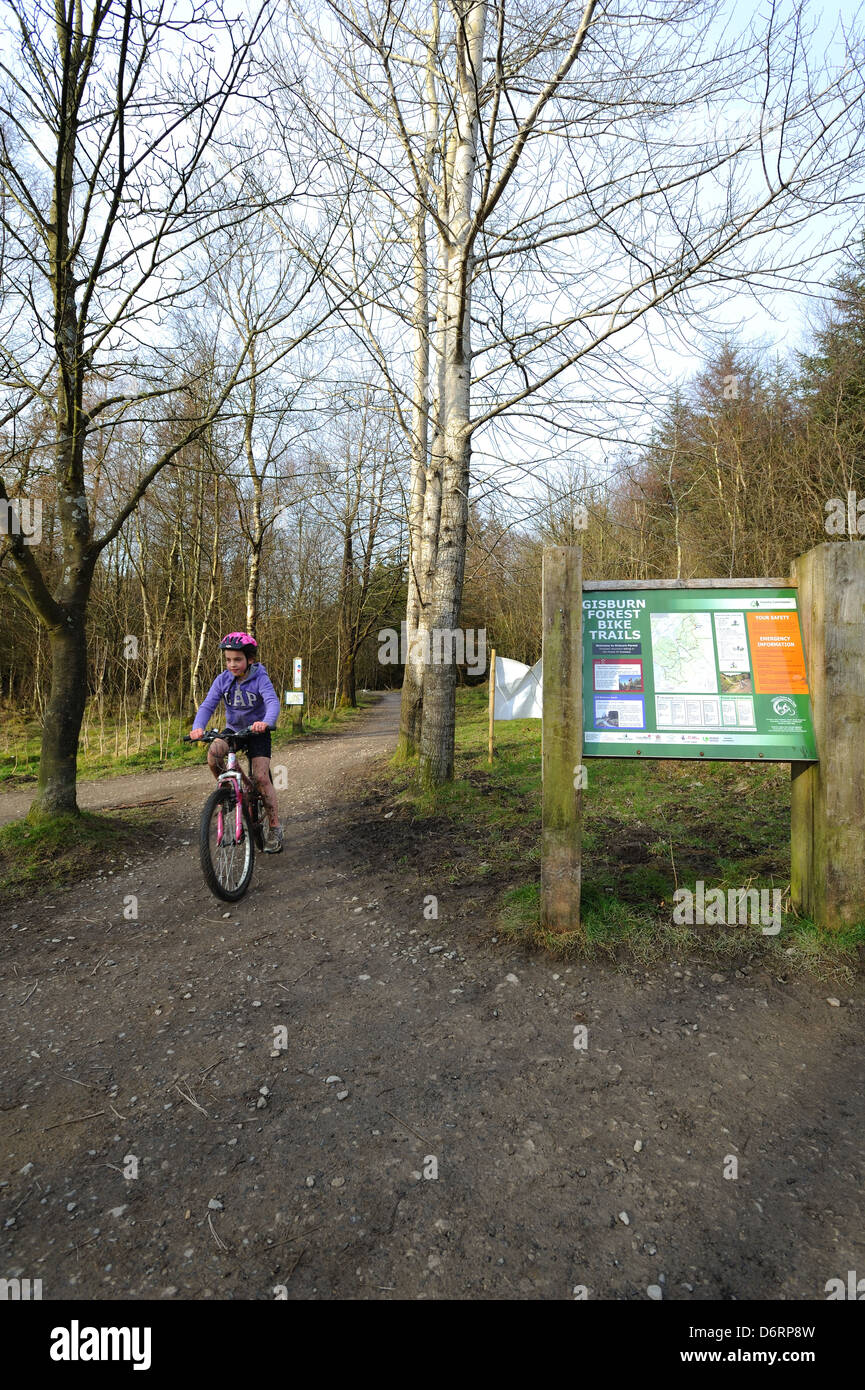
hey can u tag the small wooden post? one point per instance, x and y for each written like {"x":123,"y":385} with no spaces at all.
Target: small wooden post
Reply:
{"x":562,"y":735}
{"x":492,"y":700}
{"x":828,"y":801}
{"x":296,"y":715}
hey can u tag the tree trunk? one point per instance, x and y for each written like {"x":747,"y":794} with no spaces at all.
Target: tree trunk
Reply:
{"x":347,"y":681}
{"x":151,"y":655}
{"x":192,"y":577}
{"x":255,"y":549}
{"x":439,"y":707}
{"x":211,"y":596}
{"x":411,"y":707}
{"x":456,"y":270}
{"x":63,"y":715}
{"x":345,"y":690}
{"x":155,"y":620}
{"x":256,"y":535}
{"x":64,"y":613}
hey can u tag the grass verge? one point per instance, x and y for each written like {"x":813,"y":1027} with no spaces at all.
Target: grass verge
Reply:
{"x":648,"y":828}
{"x":56,"y":850}
{"x":42,"y":854}
{"x":136,"y":745}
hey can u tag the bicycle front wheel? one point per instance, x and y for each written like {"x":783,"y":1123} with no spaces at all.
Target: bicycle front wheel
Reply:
{"x":226,"y":862}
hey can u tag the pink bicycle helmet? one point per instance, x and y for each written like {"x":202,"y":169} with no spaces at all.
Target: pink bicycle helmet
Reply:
{"x":240,"y":642}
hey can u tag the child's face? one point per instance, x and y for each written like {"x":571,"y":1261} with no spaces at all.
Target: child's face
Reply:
{"x":236,"y":663}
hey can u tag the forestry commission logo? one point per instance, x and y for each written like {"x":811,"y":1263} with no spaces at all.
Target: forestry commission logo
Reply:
{"x":784,"y":705}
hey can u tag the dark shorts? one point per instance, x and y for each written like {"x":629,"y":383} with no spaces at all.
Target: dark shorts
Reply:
{"x":258,"y":746}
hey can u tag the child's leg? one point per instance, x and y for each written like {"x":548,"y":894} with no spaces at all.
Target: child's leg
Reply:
{"x":216,"y":756}
{"x":261,"y":778}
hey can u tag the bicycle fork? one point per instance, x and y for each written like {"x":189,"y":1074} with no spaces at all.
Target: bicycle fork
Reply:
{"x":232,"y":776}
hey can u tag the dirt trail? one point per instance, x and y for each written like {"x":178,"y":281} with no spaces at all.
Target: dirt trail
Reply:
{"x":429,"y":1129}
{"x":186,"y":784}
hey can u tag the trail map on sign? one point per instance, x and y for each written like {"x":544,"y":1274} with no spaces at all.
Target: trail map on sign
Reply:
{"x":683,"y":652}
{"x":695,"y":673}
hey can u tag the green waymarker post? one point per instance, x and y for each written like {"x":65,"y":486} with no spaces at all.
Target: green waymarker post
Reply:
{"x":714,"y":669}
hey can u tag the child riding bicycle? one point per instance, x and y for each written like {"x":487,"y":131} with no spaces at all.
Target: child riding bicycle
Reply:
{"x":251,"y":703}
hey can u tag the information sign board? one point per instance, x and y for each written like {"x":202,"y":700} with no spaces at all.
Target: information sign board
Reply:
{"x":695,"y":673}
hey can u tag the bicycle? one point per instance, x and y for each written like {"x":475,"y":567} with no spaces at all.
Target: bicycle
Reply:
{"x":233,"y":822}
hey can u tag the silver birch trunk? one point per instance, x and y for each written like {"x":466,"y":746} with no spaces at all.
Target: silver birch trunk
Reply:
{"x":211,"y":597}
{"x":412,"y":688}
{"x":423,"y":491}
{"x":256,"y":533}
{"x":456,"y":265}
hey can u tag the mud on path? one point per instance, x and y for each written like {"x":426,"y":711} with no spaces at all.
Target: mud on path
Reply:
{"x":466,"y":1148}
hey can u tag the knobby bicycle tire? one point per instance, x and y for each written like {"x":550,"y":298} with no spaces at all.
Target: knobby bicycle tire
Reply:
{"x":228,"y":895}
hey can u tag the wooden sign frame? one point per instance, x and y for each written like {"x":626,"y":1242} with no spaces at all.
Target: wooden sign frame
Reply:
{"x":828,"y":797}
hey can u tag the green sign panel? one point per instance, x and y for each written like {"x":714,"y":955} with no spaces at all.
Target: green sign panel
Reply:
{"x":695,"y":673}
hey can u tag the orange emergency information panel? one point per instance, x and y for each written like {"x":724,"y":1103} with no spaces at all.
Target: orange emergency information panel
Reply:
{"x":777,"y":657}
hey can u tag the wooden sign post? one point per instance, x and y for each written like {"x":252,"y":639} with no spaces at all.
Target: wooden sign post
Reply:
{"x":562,"y":738}
{"x":297,"y":710}
{"x":828,"y":797}
{"x":492,"y":701}
{"x":828,"y":803}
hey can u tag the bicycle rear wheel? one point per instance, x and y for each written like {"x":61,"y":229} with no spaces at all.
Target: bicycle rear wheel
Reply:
{"x":226,"y":862}
{"x":259,"y":821}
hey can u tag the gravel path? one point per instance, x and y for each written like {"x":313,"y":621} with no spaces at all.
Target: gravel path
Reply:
{"x":323,"y":1092}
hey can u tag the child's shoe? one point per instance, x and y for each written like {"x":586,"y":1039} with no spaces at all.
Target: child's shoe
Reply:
{"x":273,"y":841}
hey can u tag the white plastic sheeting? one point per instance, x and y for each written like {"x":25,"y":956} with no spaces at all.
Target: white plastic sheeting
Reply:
{"x":519,"y":693}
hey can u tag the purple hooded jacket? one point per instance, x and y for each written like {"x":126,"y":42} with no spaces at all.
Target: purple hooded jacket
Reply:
{"x":248,"y":699}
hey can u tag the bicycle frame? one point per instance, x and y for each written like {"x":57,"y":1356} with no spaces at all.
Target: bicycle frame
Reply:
{"x":243,"y":790}
{"x":218,"y":863}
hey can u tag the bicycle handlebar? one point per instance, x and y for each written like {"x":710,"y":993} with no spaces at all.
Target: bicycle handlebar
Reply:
{"x":230,"y":735}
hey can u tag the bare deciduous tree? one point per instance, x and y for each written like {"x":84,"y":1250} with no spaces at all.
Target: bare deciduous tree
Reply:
{"x":114,"y":170}
{"x":552,"y":178}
